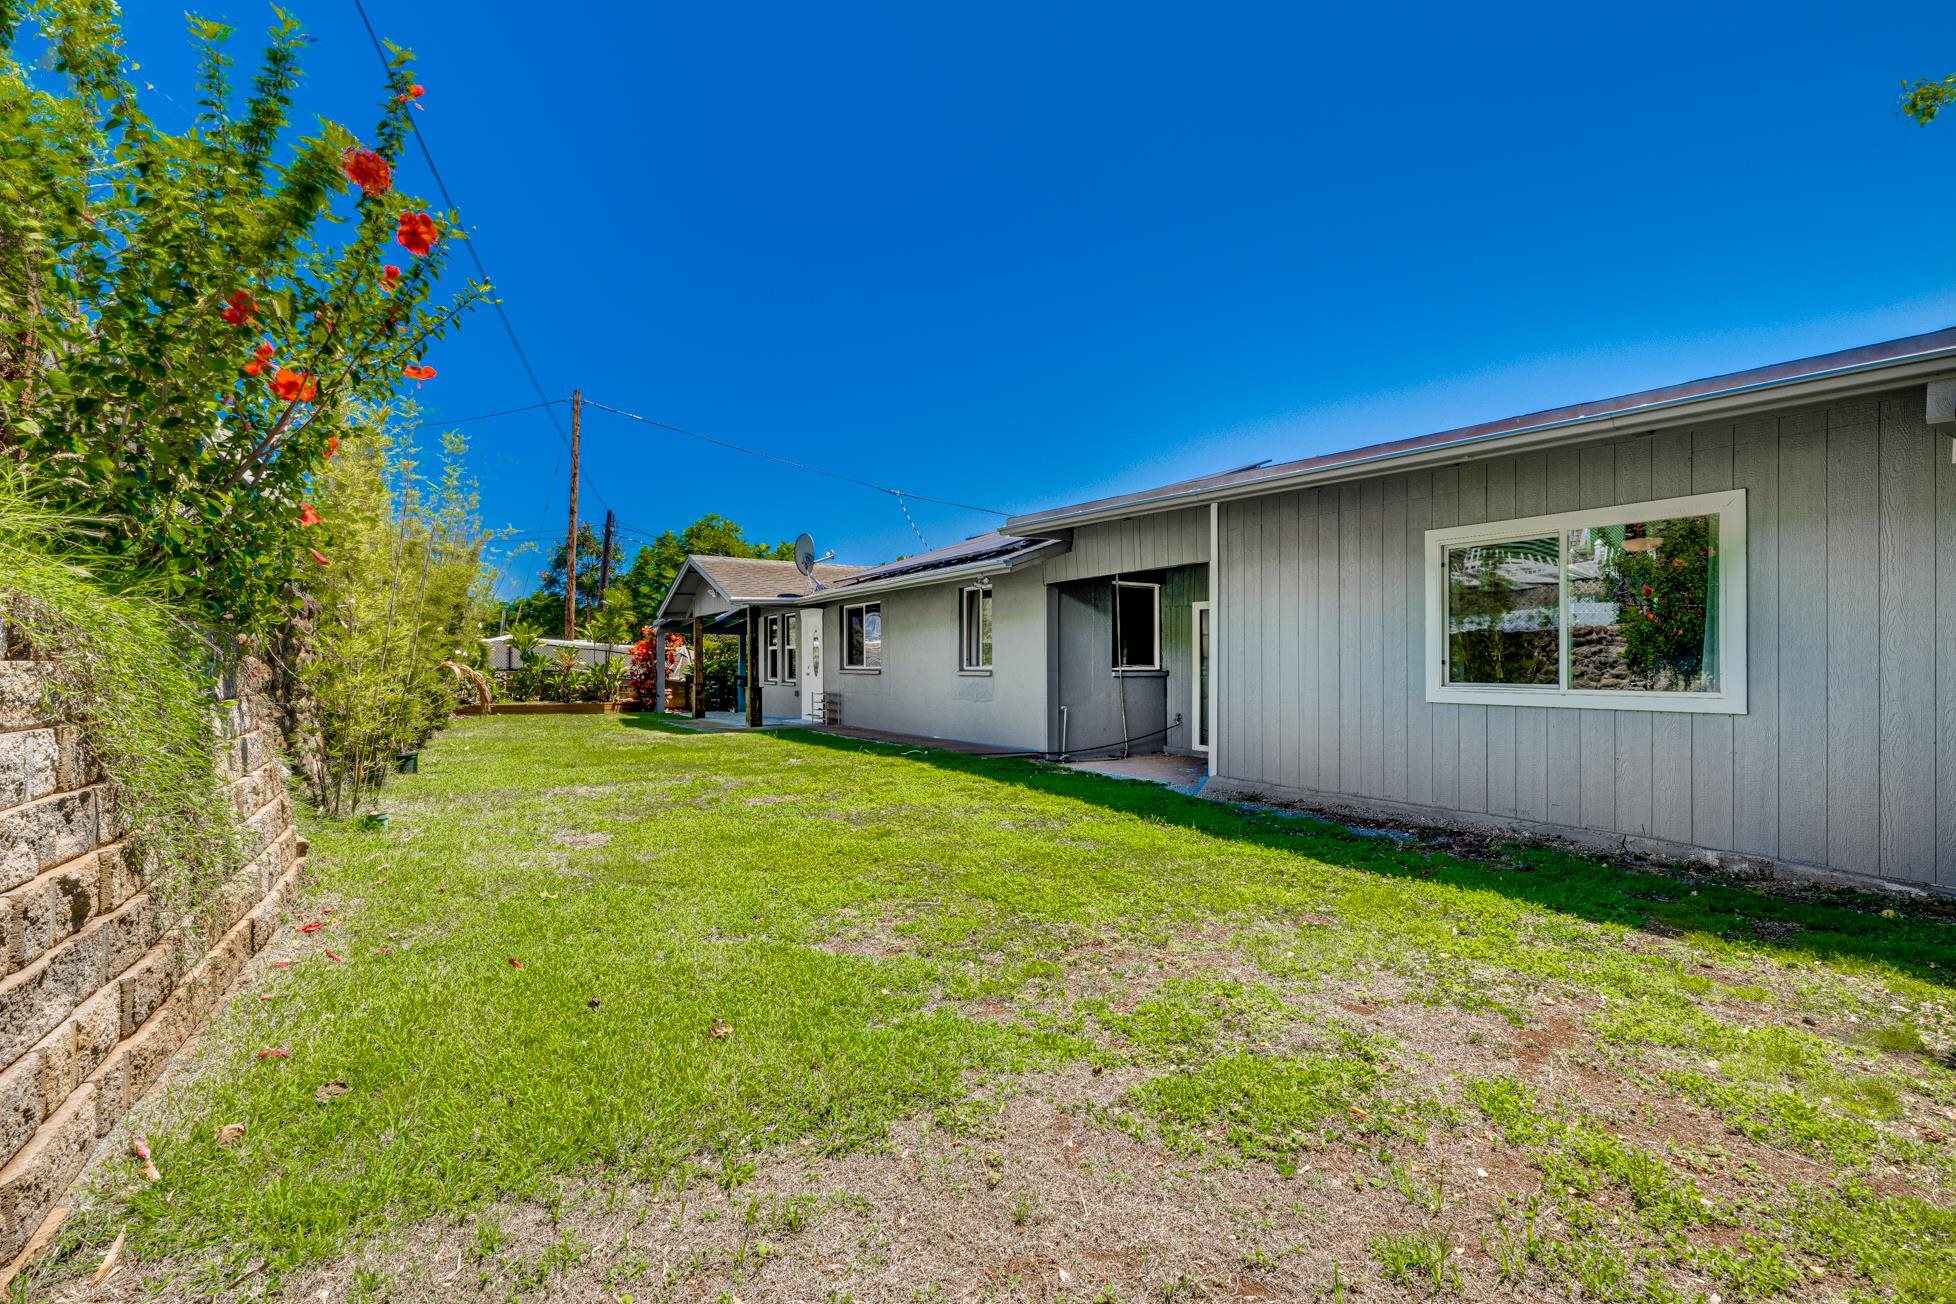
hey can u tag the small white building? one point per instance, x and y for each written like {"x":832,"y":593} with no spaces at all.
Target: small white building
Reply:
{"x":502,"y":656}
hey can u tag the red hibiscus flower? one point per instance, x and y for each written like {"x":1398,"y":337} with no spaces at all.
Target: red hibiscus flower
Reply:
{"x":320,"y":557}
{"x":332,"y":445}
{"x":418,"y":371}
{"x":411,"y":94}
{"x":239,"y":308}
{"x":307,"y":516}
{"x":417,"y":233}
{"x":257,"y":363}
{"x":367,"y":170}
{"x":390,"y":276}
{"x":293,"y":386}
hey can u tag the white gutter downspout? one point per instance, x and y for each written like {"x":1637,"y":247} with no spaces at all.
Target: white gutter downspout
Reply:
{"x":1215,"y":630}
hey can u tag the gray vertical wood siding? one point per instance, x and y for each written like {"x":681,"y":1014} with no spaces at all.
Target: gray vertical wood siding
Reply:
{"x":1839,"y":760}
{"x":1177,"y":538}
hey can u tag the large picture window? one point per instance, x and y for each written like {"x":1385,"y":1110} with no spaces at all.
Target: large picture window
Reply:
{"x":862,"y":636}
{"x":975,"y":629}
{"x":1137,"y":625}
{"x":1640,"y":607}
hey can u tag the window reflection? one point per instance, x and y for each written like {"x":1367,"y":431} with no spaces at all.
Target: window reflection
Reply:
{"x":1502,"y":607}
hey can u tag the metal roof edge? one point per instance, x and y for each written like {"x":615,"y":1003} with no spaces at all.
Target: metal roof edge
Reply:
{"x":1846,"y":378}
{"x":1034,"y":555}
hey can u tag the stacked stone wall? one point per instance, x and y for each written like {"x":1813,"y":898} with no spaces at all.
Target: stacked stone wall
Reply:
{"x":98,"y":988}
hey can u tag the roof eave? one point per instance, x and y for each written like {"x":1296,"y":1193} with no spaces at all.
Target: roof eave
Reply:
{"x":950,"y":574}
{"x":1842,"y":382}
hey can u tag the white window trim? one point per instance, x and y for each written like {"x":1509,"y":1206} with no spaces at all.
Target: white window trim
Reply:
{"x":770,"y":649}
{"x":1115,"y":650}
{"x":848,"y":666}
{"x":984,"y":592}
{"x":1728,"y":506}
{"x":790,"y":635}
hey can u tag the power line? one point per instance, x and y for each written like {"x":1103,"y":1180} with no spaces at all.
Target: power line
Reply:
{"x":428,"y":155}
{"x":898,"y":494}
{"x":490,"y":416}
{"x":547,"y":403}
{"x":475,"y":255}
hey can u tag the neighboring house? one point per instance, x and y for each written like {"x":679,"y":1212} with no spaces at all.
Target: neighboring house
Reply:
{"x":758,"y":600}
{"x":1718,"y":617}
{"x":502,"y":656}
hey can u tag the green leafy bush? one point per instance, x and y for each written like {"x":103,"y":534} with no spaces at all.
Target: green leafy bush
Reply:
{"x":404,"y":594}
{"x":190,"y":321}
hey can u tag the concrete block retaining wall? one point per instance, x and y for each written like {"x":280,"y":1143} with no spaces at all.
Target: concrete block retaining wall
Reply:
{"x":97,"y":988}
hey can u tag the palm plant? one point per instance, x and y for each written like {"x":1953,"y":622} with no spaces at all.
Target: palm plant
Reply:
{"x":611,"y":626}
{"x":606,"y":681}
{"x":524,"y":672}
{"x":570,"y":674}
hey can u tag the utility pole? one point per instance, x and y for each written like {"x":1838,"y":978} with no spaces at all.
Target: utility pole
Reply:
{"x":570,"y":548}
{"x":604,"y":567}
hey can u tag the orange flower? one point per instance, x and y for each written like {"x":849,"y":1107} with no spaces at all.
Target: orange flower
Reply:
{"x":417,"y":233}
{"x":293,"y":386}
{"x":332,"y":445}
{"x":418,"y":372}
{"x":320,"y":557}
{"x":367,"y":170}
{"x":390,"y":276}
{"x":412,"y":93}
{"x":307,"y":516}
{"x":239,"y":308}
{"x":257,"y":364}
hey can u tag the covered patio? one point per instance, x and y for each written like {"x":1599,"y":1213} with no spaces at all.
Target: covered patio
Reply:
{"x":756,"y":602}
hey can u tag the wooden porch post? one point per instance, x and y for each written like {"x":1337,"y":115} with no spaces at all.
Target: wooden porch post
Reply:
{"x":754,"y":716}
{"x":699,"y":668}
{"x":659,"y":670}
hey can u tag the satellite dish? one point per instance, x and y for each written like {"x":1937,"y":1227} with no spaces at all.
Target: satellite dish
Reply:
{"x":805,"y":558}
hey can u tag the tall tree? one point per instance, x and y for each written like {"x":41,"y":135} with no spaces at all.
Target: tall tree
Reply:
{"x":1923,"y":100}
{"x":545,"y":607}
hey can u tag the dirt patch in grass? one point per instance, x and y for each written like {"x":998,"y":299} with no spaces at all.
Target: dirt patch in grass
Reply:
{"x":581,"y":841}
{"x":1029,"y":1201}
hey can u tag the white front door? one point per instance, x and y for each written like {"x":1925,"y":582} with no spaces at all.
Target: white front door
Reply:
{"x":811,"y":663}
{"x":1199,"y":686}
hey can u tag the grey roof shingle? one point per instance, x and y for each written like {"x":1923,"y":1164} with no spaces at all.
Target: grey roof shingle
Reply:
{"x":757,"y":579}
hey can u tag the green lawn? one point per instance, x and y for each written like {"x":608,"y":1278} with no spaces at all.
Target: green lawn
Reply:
{"x":627,"y":1012}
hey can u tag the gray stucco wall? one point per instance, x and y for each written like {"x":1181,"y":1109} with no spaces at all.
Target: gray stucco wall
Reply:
{"x":1851,"y":665}
{"x":780,"y":700}
{"x":921,"y":690}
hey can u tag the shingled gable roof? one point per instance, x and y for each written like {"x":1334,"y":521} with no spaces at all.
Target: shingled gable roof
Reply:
{"x":757,"y":579}
{"x":1871,"y":366}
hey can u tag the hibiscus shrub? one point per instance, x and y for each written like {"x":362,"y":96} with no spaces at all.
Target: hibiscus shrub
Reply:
{"x":188,"y":320}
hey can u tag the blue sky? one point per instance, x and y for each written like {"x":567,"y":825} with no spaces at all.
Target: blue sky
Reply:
{"x":1018,"y":255}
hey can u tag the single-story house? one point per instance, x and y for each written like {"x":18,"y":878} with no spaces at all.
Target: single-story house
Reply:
{"x":757,"y":600}
{"x":1716,"y":619}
